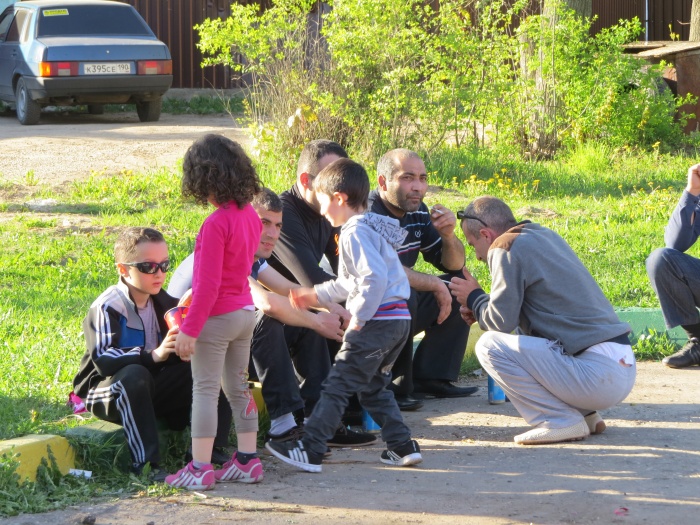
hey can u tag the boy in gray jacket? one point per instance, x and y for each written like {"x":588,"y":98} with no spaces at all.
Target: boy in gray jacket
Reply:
{"x":374,"y":285}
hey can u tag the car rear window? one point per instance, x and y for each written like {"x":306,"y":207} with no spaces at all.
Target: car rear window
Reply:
{"x":77,"y":20}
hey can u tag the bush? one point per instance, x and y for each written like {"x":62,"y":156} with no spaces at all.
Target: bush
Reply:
{"x":383,"y":74}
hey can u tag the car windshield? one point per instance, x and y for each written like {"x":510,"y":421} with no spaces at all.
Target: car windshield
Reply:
{"x":79,"y":20}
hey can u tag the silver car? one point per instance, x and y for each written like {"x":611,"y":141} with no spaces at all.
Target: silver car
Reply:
{"x":80,"y":52}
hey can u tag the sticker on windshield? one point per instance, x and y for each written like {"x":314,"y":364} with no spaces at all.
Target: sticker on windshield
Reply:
{"x":55,"y":12}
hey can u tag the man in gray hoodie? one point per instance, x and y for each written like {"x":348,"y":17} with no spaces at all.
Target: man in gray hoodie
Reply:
{"x":570,"y":355}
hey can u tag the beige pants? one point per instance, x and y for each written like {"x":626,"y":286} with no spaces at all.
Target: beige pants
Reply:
{"x":220,"y":360}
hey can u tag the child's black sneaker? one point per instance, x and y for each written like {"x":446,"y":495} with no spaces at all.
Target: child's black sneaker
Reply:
{"x":294,"y":453}
{"x":344,"y":437}
{"x":293,"y":434}
{"x":403,"y":455}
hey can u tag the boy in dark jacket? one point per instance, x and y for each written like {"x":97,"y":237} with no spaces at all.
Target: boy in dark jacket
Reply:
{"x":129,"y":374}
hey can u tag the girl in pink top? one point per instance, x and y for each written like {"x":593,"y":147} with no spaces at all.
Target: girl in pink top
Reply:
{"x":217,"y":330}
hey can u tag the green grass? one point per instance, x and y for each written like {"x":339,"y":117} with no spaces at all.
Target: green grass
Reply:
{"x":611,"y":206}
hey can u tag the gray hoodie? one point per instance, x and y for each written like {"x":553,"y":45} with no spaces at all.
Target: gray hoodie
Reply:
{"x":369,"y":272}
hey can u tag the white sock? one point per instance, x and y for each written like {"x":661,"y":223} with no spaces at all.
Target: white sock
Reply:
{"x":282,"y":424}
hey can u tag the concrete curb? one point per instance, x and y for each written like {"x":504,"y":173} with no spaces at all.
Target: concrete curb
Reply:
{"x":32,"y":448}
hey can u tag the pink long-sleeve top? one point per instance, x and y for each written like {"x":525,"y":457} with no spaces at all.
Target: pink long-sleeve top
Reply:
{"x":223,"y":255}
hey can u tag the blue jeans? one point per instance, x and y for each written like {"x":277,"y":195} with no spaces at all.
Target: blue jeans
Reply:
{"x":363,"y":366}
{"x":675,"y":277}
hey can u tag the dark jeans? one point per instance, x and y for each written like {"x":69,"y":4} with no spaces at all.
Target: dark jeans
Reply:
{"x":675,"y":277}
{"x":440,"y":353}
{"x":291,"y":363}
{"x":135,"y":397}
{"x":363,"y":366}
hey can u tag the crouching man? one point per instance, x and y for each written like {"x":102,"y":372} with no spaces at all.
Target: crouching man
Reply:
{"x":570,"y":356}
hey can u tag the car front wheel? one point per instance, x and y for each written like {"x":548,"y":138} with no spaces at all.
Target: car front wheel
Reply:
{"x":149,"y":111}
{"x":28,"y":111}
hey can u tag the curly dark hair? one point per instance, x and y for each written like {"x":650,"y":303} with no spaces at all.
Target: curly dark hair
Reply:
{"x":217,"y":167}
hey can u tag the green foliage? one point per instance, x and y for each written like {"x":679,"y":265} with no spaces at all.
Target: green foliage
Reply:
{"x":50,"y":491}
{"x":383,"y":74}
{"x":654,"y":346}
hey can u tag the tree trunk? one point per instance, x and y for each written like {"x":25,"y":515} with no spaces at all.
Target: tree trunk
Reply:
{"x":544,"y":122}
{"x":695,"y":22}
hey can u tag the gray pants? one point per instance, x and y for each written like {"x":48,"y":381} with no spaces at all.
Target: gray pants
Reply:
{"x":548,"y":386}
{"x":675,"y":277}
{"x":363,"y":366}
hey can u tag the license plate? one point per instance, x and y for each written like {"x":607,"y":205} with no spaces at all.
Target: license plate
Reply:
{"x":111,"y":68}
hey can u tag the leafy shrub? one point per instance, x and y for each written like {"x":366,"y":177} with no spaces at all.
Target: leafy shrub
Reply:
{"x":382,"y":74}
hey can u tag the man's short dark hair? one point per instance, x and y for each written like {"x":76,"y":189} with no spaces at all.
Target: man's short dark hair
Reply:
{"x":388,"y":165}
{"x":129,"y":238}
{"x":315,"y":151}
{"x":344,"y":176}
{"x":268,"y":200}
{"x":487,"y":211}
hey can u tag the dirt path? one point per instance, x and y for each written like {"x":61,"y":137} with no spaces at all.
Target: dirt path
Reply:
{"x":645,"y":469}
{"x":69,"y":146}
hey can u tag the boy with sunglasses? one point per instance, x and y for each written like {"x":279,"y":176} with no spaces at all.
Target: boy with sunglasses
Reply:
{"x":129,"y":374}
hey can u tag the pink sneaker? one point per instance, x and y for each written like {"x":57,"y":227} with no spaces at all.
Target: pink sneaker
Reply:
{"x":232,"y":470}
{"x":191,"y":478}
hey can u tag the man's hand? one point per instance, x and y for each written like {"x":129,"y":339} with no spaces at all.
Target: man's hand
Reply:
{"x":693,"y":186}
{"x":329,"y":326}
{"x":184,"y":346}
{"x":443,"y":298}
{"x":341,"y":312}
{"x":467,"y":315}
{"x":303,"y":298}
{"x":167,"y":347}
{"x":461,"y":288}
{"x":443,"y":220}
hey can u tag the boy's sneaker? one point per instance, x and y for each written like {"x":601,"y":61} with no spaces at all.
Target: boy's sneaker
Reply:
{"x":191,"y":478}
{"x":404,"y":455}
{"x":293,"y":434}
{"x":344,"y":437}
{"x":294,"y":453}
{"x":232,"y":470}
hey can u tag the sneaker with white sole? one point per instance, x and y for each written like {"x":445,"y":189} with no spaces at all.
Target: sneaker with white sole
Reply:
{"x":232,"y":470}
{"x":344,"y":437}
{"x":296,"y":454}
{"x":596,"y":424}
{"x":191,"y":478}
{"x":403,"y":455}
{"x":542,"y":436}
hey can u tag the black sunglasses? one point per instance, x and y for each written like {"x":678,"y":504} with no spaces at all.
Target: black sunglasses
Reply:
{"x":461,"y":216}
{"x":150,"y":267}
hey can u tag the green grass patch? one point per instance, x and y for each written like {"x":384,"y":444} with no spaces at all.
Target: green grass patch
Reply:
{"x":611,"y":206}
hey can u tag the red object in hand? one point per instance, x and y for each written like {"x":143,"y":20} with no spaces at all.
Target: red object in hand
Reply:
{"x":175,"y":316}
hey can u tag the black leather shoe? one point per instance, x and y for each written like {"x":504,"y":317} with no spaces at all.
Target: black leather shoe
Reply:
{"x":442,"y":388}
{"x":407,"y":403}
{"x":689,"y":355}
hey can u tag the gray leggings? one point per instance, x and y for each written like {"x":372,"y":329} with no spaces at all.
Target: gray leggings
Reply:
{"x":220,"y":360}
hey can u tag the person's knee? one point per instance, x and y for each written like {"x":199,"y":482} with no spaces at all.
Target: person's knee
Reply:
{"x":658,"y":262}
{"x":485,"y":346}
{"x":137,"y":381}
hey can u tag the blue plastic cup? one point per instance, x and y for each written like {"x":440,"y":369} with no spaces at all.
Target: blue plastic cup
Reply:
{"x":369,"y":424}
{"x":496,"y":393}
